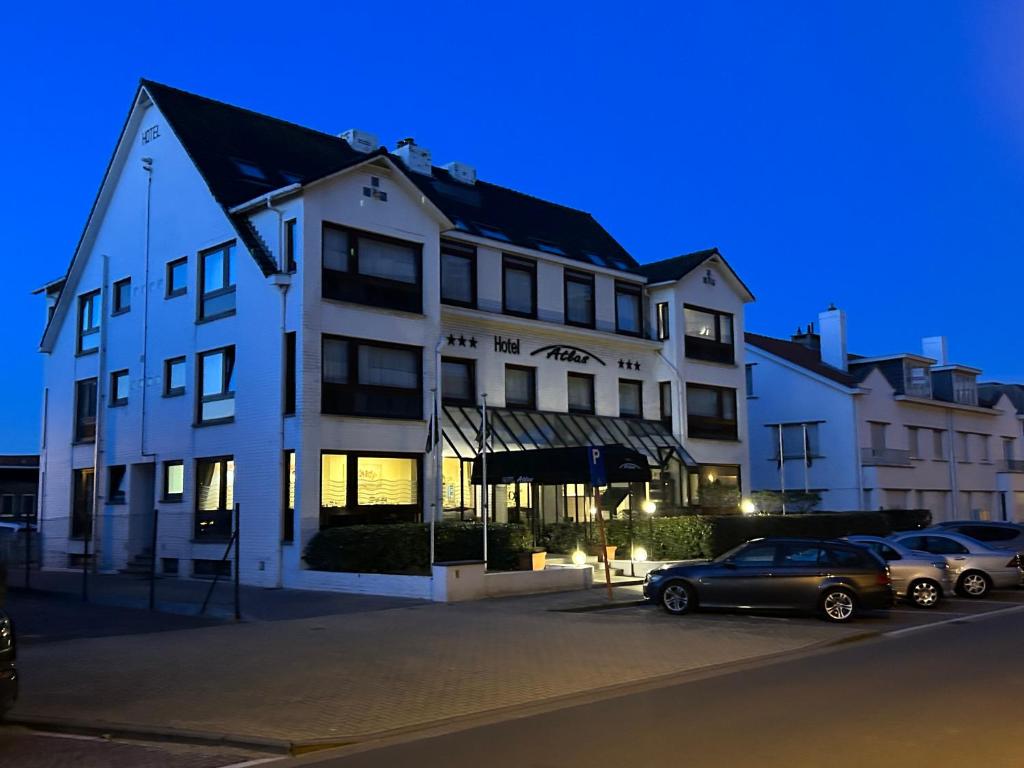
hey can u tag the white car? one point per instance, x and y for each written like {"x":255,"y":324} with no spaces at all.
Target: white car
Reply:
{"x":974,"y":567}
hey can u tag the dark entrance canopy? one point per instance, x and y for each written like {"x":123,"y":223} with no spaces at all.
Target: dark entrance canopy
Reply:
{"x":555,"y":466}
{"x":515,"y":431}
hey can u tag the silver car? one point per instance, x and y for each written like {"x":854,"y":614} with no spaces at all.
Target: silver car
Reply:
{"x":996,"y":534}
{"x":922,"y":579}
{"x":975,"y":568}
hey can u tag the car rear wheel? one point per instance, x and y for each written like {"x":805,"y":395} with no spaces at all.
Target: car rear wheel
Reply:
{"x":838,"y":605}
{"x":924,"y":593}
{"x":678,"y":598}
{"x":974,"y":584}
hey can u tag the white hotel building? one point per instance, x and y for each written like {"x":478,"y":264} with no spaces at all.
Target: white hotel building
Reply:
{"x":256,"y":313}
{"x":892,"y":431}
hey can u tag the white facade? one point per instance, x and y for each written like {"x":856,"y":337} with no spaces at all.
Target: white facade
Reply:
{"x":155,"y":208}
{"x":875,"y":444}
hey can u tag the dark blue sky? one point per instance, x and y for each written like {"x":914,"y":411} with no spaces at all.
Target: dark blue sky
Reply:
{"x":867,"y":154}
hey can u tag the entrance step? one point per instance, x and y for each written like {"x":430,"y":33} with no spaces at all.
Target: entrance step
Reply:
{"x":140,"y":565}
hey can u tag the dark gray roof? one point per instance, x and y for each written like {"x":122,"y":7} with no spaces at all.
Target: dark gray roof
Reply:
{"x":800,"y":355}
{"x":219,"y":136}
{"x":989,"y":393}
{"x":678,"y":267}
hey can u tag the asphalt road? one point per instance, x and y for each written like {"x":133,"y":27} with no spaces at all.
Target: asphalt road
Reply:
{"x":945,"y":695}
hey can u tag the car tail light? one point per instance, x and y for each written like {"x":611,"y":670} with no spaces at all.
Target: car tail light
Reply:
{"x":884,"y":579}
{"x":1014,"y":562}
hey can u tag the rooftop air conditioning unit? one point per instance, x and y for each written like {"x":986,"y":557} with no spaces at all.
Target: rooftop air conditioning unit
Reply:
{"x":462,"y":172}
{"x":360,"y":141}
{"x":415,"y":157}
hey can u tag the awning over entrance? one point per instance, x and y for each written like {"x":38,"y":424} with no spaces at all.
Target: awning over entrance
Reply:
{"x":515,"y":431}
{"x":555,"y":466}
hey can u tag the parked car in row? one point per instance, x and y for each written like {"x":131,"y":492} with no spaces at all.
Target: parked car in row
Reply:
{"x":997,"y":535}
{"x":834,"y":579}
{"x":920,"y":578}
{"x":975,"y":567}
{"x":8,"y":672}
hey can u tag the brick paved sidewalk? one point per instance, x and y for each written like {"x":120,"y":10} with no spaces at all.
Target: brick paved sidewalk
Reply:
{"x":347,"y":676}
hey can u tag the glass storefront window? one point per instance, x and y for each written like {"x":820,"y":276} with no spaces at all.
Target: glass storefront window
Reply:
{"x":386,"y":481}
{"x":333,"y":480}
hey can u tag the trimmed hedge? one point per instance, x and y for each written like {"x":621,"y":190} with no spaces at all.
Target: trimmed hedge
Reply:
{"x":404,"y":548}
{"x":907,"y":519}
{"x":700,"y":536}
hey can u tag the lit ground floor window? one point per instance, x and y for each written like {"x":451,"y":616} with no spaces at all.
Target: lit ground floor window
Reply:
{"x":369,"y":488}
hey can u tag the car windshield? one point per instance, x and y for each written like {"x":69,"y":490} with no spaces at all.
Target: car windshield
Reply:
{"x":728,"y":554}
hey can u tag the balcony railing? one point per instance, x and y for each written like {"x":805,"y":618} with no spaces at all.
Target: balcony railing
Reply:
{"x":884,"y":457}
{"x":1011,"y":465}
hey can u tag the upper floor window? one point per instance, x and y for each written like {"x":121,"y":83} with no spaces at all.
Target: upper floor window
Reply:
{"x":628,"y":311}
{"x":520,"y":387}
{"x":363,"y":378}
{"x":711,"y":412}
{"x":750,"y":379}
{"x":918,"y":381}
{"x":661,"y":318}
{"x":665,"y":401}
{"x":85,"y":410}
{"x":174,"y":376}
{"x":631,"y":400}
{"x":289,"y":246}
{"x":177,"y":277}
{"x":581,"y":392}
{"x":217,"y":385}
{"x":965,"y":389}
{"x":579,"y":299}
{"x":708,"y":335}
{"x":290,"y":363}
{"x":458,"y":385}
{"x":370,"y":269}
{"x":122,"y":296}
{"x":519,"y":287}
{"x":217,"y":278}
{"x":798,"y":441}
{"x":89,"y":309}
{"x":458,"y":274}
{"x":119,"y":388}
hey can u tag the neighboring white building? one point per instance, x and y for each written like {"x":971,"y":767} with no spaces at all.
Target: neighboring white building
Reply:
{"x":255,"y":316}
{"x":898,"y":431}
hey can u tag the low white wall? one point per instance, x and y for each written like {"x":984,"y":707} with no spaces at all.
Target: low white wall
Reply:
{"x":362,"y":583}
{"x":642,"y":569}
{"x":528,"y":582}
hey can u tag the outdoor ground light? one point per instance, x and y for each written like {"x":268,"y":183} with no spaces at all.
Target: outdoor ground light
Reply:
{"x":747,"y":507}
{"x":579,"y":557}
{"x":649,"y":507}
{"x":640,"y":555}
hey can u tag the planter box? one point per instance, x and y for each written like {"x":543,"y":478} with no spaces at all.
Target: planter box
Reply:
{"x":532,"y":561}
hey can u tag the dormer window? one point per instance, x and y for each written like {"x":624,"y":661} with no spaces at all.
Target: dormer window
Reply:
{"x":918,"y":381}
{"x":965,"y":389}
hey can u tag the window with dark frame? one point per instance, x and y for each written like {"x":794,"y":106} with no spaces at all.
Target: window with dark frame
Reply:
{"x":369,"y":488}
{"x":749,"y":380}
{"x":81,"y":503}
{"x":288,"y":503}
{"x":665,"y":402}
{"x":119,"y":388}
{"x":519,"y":286}
{"x":662,"y":320}
{"x":628,"y":309}
{"x":631,"y":398}
{"x":215,"y":498}
{"x":579,"y":299}
{"x":177,"y":278}
{"x":174,"y":376}
{"x":520,"y":387}
{"x":174,"y":480}
{"x":115,"y":484}
{"x":217,"y":282}
{"x":289,"y":246}
{"x":365,"y":378}
{"x":89,"y":311}
{"x":581,"y":392}
{"x":458,"y":274}
{"x":458,"y":381}
{"x":85,"y":410}
{"x":709,"y":335}
{"x":122,"y":296}
{"x":371,"y":269}
{"x":216,"y":371}
{"x":711,"y":412}
{"x":289,"y":372}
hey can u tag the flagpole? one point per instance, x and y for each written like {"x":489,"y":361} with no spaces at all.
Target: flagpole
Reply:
{"x":435,"y":446}
{"x":483,"y":470}
{"x":807,"y":485}
{"x":782,"y":471}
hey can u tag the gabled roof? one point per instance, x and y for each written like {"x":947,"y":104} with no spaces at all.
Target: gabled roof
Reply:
{"x":243,"y":154}
{"x":802,"y":356}
{"x":989,"y":393}
{"x":678,"y":267}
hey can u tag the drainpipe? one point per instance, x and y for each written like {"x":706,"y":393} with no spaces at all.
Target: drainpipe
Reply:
{"x":147,"y":166}
{"x":437,"y":446}
{"x":101,"y":379}
{"x":954,"y":480}
{"x":856,"y":454}
{"x":678,"y":410}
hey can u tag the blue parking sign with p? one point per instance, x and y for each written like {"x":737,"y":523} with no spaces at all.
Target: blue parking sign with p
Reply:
{"x":595,"y":459}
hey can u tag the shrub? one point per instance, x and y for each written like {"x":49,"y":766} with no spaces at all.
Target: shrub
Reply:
{"x":907,"y":519}
{"x":405,"y":547}
{"x":729,"y":531}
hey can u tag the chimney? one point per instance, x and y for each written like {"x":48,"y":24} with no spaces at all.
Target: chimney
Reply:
{"x":936,"y":348}
{"x":832,"y":325}
{"x":810,"y":339}
{"x":415,"y":157}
